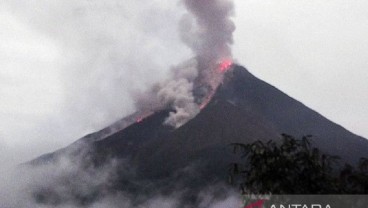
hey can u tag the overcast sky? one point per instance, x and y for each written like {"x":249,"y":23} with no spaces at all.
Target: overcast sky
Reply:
{"x":68,"y":68}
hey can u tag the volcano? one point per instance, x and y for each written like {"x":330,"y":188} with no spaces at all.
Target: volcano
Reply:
{"x":243,"y":109}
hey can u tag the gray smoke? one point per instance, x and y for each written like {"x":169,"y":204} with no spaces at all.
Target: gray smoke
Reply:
{"x":178,"y":93}
{"x":209,"y":37}
{"x":175,"y":93}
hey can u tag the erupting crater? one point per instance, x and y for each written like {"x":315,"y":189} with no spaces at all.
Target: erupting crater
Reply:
{"x":225,"y":65}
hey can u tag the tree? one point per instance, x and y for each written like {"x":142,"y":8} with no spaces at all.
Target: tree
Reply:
{"x":294,"y":167}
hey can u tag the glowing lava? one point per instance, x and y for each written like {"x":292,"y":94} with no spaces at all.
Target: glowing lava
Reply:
{"x":142,"y":116}
{"x":206,"y":101}
{"x":225,"y":65}
{"x":140,"y":119}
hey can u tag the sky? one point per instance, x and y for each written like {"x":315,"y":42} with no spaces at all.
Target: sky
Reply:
{"x":68,"y":68}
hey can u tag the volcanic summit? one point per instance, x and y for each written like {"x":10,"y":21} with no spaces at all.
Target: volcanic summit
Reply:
{"x":243,"y":109}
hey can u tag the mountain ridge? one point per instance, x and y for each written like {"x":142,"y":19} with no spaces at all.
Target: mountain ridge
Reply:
{"x":243,"y":109}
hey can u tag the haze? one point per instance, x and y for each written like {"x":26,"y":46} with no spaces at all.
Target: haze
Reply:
{"x":69,"y":68}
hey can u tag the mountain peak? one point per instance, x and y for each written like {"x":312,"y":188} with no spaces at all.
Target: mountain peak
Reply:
{"x":242,"y":110}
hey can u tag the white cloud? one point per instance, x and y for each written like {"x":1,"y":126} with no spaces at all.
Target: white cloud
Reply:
{"x":313,"y":50}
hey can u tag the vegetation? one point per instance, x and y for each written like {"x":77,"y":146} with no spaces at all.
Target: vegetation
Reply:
{"x":293,"y":166}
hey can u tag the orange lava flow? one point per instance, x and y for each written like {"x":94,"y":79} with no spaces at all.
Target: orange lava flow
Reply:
{"x":225,"y":65}
{"x":207,"y":100}
{"x":141,"y":117}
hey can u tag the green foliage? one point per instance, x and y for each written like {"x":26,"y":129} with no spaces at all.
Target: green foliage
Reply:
{"x":294,"y":167}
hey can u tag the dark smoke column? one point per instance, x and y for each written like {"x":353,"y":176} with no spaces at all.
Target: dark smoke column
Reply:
{"x":211,"y":37}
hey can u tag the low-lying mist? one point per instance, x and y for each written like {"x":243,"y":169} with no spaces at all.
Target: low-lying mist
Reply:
{"x":73,"y":180}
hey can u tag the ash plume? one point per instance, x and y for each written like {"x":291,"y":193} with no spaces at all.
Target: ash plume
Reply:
{"x":193,"y":83}
{"x":210,"y":38}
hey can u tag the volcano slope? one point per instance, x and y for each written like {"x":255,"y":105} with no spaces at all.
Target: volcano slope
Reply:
{"x":243,"y":109}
